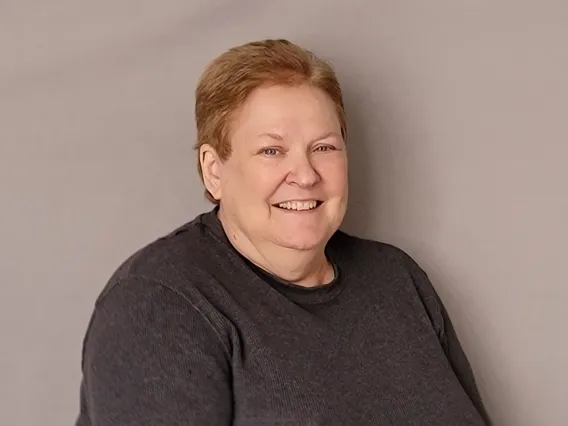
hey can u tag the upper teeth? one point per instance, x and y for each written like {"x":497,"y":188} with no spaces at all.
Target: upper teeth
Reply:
{"x":298,"y":205}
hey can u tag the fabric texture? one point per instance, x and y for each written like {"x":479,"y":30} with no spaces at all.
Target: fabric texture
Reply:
{"x":188,"y":332}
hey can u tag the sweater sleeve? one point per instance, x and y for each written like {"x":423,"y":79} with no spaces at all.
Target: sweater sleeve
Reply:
{"x":448,"y":337}
{"x":461,"y":365}
{"x":150,"y":358}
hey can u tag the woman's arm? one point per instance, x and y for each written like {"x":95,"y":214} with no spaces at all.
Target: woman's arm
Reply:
{"x":150,"y":358}
{"x":447,"y":335}
{"x":460,"y":364}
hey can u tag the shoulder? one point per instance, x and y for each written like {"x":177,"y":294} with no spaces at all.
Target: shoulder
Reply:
{"x":170,"y":261}
{"x":384,"y":262}
{"x":153,"y":299}
{"x":166,"y":280}
{"x":368,"y":252}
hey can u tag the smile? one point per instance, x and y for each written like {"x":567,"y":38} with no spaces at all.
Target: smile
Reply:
{"x":306,"y":205}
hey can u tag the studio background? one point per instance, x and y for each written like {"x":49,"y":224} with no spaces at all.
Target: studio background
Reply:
{"x":458,"y":142}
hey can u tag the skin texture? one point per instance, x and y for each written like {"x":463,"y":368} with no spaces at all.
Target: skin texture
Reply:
{"x":286,"y":145}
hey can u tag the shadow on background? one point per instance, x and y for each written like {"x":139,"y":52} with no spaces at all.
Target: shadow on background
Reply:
{"x":368,"y":142}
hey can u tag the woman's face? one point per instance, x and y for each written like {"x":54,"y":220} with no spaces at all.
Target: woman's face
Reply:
{"x":285,"y":181}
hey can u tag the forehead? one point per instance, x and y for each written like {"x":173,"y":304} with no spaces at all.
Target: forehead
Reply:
{"x":287,"y":111}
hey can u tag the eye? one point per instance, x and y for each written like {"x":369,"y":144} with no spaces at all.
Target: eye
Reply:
{"x":324,"y":148}
{"x":270,"y":152}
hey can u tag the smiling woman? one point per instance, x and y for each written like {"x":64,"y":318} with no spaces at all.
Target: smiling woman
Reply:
{"x":260,"y":311}
{"x":283,"y":189}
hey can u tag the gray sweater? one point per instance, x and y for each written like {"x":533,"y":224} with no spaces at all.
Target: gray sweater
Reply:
{"x":188,"y":332}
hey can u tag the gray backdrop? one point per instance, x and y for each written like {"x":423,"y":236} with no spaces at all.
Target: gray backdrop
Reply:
{"x":458,"y":142}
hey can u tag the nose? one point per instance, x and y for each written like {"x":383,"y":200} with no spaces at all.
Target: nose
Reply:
{"x":302,"y":172}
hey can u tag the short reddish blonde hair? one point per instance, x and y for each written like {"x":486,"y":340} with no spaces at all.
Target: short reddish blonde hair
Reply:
{"x":231,"y":77}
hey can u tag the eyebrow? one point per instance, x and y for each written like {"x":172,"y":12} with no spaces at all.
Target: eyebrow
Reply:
{"x":275,"y":136}
{"x":280,"y":138}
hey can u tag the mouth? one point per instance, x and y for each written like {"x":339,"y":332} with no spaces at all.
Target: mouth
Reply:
{"x":299,"y":206}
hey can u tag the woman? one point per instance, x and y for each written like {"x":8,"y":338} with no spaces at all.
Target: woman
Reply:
{"x":261,"y":312}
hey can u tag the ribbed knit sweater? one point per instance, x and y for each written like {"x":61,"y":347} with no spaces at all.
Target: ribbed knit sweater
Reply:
{"x":188,"y":332}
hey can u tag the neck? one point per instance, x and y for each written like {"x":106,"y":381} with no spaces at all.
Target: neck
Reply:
{"x":308,"y":268}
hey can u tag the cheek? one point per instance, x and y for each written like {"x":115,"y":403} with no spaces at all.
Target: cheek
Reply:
{"x":334,"y":175}
{"x":262,"y":182}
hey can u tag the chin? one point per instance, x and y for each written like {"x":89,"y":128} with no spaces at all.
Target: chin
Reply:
{"x":303,"y":236}
{"x":301,"y":243}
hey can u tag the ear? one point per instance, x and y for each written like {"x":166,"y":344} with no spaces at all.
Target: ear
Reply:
{"x":210,"y":166}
